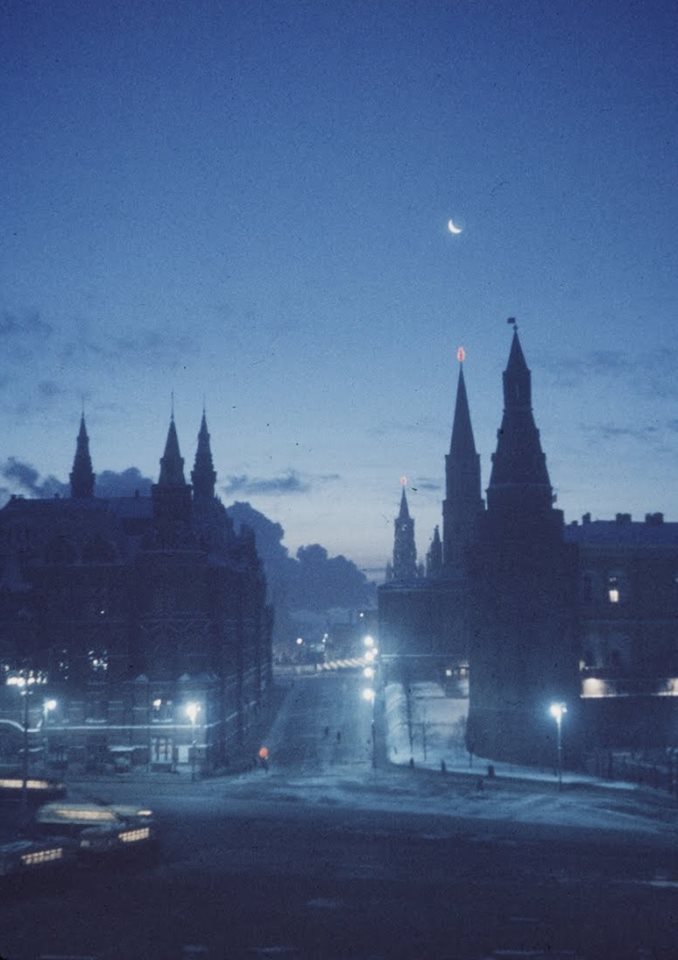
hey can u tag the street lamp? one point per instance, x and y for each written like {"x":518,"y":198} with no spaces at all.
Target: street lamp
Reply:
{"x":557,"y":711}
{"x":192,"y":711}
{"x":47,"y":707}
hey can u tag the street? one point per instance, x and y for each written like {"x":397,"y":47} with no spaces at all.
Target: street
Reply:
{"x":325,"y":857}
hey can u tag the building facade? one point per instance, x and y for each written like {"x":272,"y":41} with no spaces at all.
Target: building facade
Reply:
{"x":137,"y":627}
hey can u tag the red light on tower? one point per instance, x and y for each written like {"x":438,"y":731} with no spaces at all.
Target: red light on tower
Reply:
{"x":461,"y":354}
{"x":403,"y":481}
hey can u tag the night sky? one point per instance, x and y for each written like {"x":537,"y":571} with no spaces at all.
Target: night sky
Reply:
{"x":246,"y":203}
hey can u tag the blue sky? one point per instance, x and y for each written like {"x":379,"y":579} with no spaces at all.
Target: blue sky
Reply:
{"x":246,"y":203}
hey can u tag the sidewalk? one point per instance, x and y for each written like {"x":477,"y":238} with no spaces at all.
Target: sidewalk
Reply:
{"x":426,"y":730}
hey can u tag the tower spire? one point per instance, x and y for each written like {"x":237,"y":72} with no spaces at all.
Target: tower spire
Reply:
{"x":404,"y":548}
{"x":82,"y":475}
{"x":171,"y":463}
{"x":519,"y":487}
{"x":203,"y":475}
{"x":171,"y":494}
{"x":463,"y":501}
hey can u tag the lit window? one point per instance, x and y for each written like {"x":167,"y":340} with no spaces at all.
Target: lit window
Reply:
{"x":613,"y":595}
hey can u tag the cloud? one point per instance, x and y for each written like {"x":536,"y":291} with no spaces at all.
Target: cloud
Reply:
{"x":108,"y":483}
{"x":289,"y":482}
{"x":24,"y":478}
{"x":657,"y":367}
{"x":48,"y":389}
{"x":605,"y":431}
{"x":29,"y":325}
{"x":151,"y":345}
{"x":425,"y":484}
{"x":390,"y":427}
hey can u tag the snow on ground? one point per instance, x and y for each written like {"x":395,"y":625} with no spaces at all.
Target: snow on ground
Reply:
{"x":429,"y":730}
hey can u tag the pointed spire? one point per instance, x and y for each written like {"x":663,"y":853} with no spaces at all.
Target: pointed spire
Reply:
{"x":203,"y":475}
{"x":404,"y":548}
{"x":434,"y":557}
{"x":519,"y":481}
{"x":404,"y":514}
{"x":462,"y":441}
{"x":172,"y":463}
{"x":82,"y":475}
{"x":463,"y":501}
{"x":517,"y":377}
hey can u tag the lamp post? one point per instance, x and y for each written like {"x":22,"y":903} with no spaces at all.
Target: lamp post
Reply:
{"x":24,"y":765}
{"x":47,"y":707}
{"x":192,"y":711}
{"x":558,"y":710}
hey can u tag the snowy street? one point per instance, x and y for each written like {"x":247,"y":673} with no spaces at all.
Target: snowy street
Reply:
{"x":324,"y":856}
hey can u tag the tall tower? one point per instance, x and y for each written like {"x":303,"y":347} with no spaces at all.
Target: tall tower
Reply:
{"x":203,"y":474}
{"x":404,"y":548}
{"x":171,"y":494}
{"x":463,"y":501}
{"x":82,"y":475}
{"x":523,"y":651}
{"x":520,"y":496}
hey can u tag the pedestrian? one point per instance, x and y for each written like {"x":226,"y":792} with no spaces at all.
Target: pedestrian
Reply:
{"x":338,"y":736}
{"x":327,"y":731}
{"x":443,"y":767}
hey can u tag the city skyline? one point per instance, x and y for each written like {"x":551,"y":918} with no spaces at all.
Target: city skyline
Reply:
{"x":249,"y":206}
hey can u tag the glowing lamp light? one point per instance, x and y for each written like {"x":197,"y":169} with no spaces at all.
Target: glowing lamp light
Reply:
{"x":557,"y":710}
{"x":368,"y":641}
{"x":370,"y":655}
{"x":300,"y":640}
{"x":49,"y":705}
{"x":368,"y":673}
{"x":368,"y":694}
{"x":192,"y":711}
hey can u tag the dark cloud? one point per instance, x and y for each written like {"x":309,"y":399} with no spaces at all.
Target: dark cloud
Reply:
{"x":390,"y":427}
{"x":289,"y":482}
{"x":108,"y":483}
{"x":605,"y":431}
{"x":145,"y":346}
{"x":27,"y":325}
{"x":657,"y":368}
{"x":48,"y":389}
{"x":426,"y":484}
{"x":24,"y":478}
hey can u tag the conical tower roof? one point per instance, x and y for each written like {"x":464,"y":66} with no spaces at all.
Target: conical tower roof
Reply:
{"x":82,"y":475}
{"x":203,"y":475}
{"x":519,"y":481}
{"x":171,"y":463}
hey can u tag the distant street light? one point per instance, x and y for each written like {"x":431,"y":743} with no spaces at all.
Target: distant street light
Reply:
{"x":47,"y":707}
{"x":558,"y":710}
{"x":192,"y":711}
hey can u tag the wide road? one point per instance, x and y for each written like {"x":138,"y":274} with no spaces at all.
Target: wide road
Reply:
{"x":325,"y":857}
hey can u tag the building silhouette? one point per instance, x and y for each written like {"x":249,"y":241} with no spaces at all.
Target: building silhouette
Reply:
{"x":535,"y":611}
{"x":124,"y":610}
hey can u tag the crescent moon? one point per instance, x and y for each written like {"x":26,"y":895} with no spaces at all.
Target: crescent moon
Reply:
{"x":452,"y":228}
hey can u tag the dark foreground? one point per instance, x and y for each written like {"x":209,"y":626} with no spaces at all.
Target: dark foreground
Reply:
{"x":256,"y":868}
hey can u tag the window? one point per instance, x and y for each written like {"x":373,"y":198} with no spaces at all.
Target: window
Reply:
{"x":161,"y":749}
{"x":617,"y":586}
